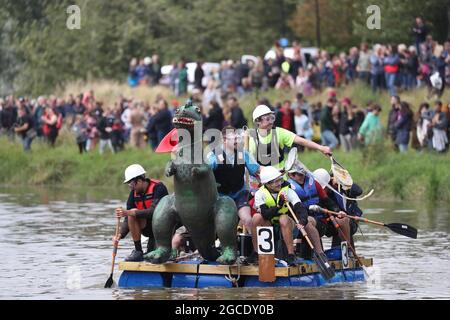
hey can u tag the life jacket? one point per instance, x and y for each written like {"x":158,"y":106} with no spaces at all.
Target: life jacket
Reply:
{"x":270,"y":201}
{"x":230,"y":176}
{"x":264,"y":151}
{"x":145,"y":201}
{"x":308,"y":193}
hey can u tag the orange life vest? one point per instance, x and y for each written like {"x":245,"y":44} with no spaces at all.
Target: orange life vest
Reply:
{"x":145,"y":201}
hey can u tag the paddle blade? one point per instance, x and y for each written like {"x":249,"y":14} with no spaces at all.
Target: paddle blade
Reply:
{"x":109,"y":282}
{"x":403,"y":229}
{"x":324,"y":266}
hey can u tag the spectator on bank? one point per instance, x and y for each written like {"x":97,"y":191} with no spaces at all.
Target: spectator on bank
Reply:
{"x":403,"y":127}
{"x":371,"y":130}
{"x":80,"y":130}
{"x":237,"y":119}
{"x":302,"y":124}
{"x":8,"y":118}
{"x":212,"y":93}
{"x":154,"y":70}
{"x":137,"y":126}
{"x":133,"y":79}
{"x":420,"y":32}
{"x":24,"y":128}
{"x":346,"y":123}
{"x":440,"y":123}
{"x":377,"y":68}
{"x":214,"y":118}
{"x":327,"y":126}
{"x":391,"y":69}
{"x":393,"y":116}
{"x":363,"y":66}
{"x":423,"y":126}
{"x":50,"y":127}
{"x":104,"y":127}
{"x":287,"y":116}
{"x":182,"y":78}
{"x":162,"y":119}
{"x":198,"y":76}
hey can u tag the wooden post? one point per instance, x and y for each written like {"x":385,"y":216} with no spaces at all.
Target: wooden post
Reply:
{"x":266,"y":254}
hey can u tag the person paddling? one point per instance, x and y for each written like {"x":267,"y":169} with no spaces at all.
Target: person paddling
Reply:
{"x":323,"y":178}
{"x":144,"y":196}
{"x":310,"y":193}
{"x":268,"y":143}
{"x":270,"y":203}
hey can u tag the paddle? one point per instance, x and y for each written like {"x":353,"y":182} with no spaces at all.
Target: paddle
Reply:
{"x":341,"y":234}
{"x":110,"y":280}
{"x":400,"y":228}
{"x":320,"y":259}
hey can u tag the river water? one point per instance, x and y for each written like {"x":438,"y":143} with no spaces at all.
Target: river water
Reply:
{"x":56,"y":244}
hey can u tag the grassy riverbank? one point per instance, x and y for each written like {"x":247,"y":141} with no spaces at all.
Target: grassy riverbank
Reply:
{"x":409,"y":176}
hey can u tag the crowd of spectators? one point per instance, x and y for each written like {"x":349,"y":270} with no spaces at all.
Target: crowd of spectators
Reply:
{"x":335,"y":123}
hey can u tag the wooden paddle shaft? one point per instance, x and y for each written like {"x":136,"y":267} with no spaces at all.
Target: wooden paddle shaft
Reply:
{"x":115,"y":246}
{"x":302,"y":229}
{"x":329,"y":212}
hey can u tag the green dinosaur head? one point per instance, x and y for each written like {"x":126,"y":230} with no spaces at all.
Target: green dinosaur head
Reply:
{"x":186,"y":116}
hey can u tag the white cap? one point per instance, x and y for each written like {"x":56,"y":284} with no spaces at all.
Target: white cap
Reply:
{"x":133,"y":171}
{"x":147,"y":60}
{"x":260,"y":111}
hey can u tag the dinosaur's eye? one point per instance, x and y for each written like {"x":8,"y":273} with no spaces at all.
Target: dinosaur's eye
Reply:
{"x":177,"y":111}
{"x":197,"y":109}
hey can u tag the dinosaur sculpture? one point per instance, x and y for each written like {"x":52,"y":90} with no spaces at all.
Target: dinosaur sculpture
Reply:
{"x":195,"y":202}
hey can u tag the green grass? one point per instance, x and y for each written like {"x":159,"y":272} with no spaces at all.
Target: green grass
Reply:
{"x":410,"y":176}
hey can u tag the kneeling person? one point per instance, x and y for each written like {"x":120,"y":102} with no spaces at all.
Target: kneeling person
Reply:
{"x":144,"y":196}
{"x":271,"y":204}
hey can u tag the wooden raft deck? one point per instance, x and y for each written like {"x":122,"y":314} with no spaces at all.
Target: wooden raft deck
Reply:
{"x":300,"y":269}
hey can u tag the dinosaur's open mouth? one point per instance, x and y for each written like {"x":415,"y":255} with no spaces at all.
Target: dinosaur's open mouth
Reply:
{"x":183,"y":121}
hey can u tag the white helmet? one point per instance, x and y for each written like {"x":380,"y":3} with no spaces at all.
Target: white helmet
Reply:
{"x":133,"y":171}
{"x":322,"y":177}
{"x":260,"y":111}
{"x":269,"y":174}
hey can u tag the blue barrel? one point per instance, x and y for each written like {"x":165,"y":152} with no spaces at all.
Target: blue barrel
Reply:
{"x":135,"y":279}
{"x":253,"y":281}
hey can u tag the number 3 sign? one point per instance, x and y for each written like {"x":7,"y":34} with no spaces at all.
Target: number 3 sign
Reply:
{"x":266,"y":244}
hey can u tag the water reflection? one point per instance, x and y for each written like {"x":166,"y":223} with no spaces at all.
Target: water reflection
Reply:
{"x":55,"y":244}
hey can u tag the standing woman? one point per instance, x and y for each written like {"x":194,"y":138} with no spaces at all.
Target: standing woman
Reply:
{"x":440,"y":125}
{"x":49,"y":120}
{"x":403,"y":126}
{"x":391,"y":69}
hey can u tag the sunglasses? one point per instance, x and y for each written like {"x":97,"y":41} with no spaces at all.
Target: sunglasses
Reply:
{"x":267,"y":118}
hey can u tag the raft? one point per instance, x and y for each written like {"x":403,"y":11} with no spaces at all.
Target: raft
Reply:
{"x":204,"y":274}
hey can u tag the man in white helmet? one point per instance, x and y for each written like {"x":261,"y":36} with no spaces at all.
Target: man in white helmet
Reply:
{"x":323,"y":223}
{"x":310,"y":192}
{"x":268,"y":143}
{"x":144,"y":196}
{"x":271,"y":205}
